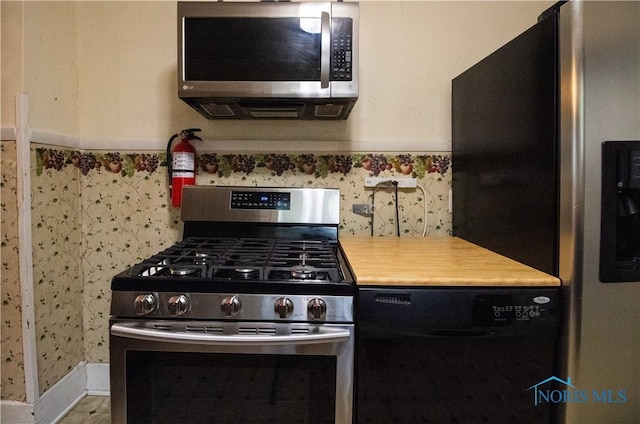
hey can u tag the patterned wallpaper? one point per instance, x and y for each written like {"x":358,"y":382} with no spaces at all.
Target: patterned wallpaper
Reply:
{"x":104,"y":211}
{"x":12,"y":361}
{"x":125,"y":218}
{"x":57,"y":272}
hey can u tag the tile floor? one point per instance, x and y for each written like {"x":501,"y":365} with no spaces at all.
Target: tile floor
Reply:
{"x":90,"y":410}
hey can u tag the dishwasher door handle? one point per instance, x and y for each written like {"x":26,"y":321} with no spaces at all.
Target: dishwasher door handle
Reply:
{"x":461,"y":334}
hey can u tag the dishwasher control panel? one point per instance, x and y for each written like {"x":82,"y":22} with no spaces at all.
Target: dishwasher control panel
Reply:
{"x":437,"y":311}
{"x":502,"y":309}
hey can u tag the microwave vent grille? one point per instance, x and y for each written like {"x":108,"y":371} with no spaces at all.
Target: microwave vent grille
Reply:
{"x":218,"y":111}
{"x":328,"y":110}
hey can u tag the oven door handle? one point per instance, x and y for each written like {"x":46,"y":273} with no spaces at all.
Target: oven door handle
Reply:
{"x":326,"y":335}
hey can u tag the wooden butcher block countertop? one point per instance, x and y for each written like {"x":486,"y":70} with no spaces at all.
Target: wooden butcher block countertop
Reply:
{"x":442,"y":261}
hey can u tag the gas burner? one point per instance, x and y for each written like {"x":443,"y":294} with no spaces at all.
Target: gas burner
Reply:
{"x":181,"y":271}
{"x":303,"y":271}
{"x":246,"y":273}
{"x":287,"y":276}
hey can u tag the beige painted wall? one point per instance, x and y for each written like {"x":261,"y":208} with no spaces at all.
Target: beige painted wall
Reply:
{"x":39,"y":58}
{"x":10,"y":59}
{"x":105,"y":72}
{"x":50,"y":66}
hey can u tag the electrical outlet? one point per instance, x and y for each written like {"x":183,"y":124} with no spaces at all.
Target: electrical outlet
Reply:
{"x":403,"y":182}
{"x":362,"y":209}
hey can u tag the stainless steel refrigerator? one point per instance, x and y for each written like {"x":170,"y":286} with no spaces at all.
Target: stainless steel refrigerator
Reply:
{"x":546,"y":170}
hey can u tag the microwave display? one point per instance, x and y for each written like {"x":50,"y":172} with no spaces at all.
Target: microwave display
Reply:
{"x":259,"y":49}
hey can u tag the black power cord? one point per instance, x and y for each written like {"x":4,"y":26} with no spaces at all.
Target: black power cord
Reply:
{"x":395,"y":184}
{"x":386,"y":184}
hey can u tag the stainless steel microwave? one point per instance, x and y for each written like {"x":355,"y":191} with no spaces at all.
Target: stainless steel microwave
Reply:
{"x":252,"y":60}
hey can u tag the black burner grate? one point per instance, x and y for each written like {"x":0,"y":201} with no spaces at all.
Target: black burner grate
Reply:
{"x":250,"y":259}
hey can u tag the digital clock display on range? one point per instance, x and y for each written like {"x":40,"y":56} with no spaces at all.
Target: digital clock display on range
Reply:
{"x":260,"y":200}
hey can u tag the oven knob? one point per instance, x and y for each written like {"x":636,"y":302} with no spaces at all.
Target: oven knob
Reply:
{"x":179,"y":305}
{"x":317,"y":309}
{"x":231,"y":306}
{"x":283,"y":307}
{"x":145,"y":304}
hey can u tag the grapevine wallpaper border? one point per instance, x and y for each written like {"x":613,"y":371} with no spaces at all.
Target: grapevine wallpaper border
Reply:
{"x":224,"y":165}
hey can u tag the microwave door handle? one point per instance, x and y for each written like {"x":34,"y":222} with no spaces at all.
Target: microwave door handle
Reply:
{"x":325,"y":49}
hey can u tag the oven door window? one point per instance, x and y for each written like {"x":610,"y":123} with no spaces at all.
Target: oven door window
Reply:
{"x":181,"y":387}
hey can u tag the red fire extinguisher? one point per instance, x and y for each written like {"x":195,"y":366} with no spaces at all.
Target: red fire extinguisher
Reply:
{"x":181,"y":162}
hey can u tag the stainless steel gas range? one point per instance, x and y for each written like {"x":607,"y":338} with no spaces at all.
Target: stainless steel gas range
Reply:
{"x":249,"y":318}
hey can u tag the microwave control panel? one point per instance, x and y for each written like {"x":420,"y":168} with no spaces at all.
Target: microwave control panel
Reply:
{"x":341,"y":49}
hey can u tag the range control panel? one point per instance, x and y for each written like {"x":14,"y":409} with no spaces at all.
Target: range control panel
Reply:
{"x":261,"y":200}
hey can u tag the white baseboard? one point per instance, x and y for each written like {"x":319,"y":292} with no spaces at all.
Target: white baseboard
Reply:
{"x":14,"y":412}
{"x":59,"y":399}
{"x":98,"y":379}
{"x":84,"y":379}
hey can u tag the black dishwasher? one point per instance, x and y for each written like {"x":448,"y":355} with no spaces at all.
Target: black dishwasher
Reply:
{"x":455,"y":355}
